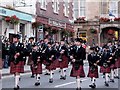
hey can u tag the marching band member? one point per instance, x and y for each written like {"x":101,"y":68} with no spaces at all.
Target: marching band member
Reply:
{"x":117,"y":62}
{"x":93,"y":60}
{"x":63,"y":59}
{"x":77,"y":58}
{"x":105,"y":64}
{"x":37,"y":63}
{"x":29,"y":49}
{"x":16,"y":59}
{"x":51,"y":56}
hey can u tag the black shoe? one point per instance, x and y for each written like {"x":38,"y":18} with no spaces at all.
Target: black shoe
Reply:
{"x":92,"y":86}
{"x":16,"y":88}
{"x":117,"y":77}
{"x":78,"y":88}
{"x":46,"y":74}
{"x":32,"y":76}
{"x":61,"y":77}
{"x":112,"y":80}
{"x":64,"y":78}
{"x":37,"y":83}
{"x":51,"y":80}
{"x":106,"y":84}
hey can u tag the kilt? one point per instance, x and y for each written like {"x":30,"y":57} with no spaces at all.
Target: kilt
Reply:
{"x":105,"y":70}
{"x":80,"y":72}
{"x":117,"y":63}
{"x":112,"y":66}
{"x":51,"y":66}
{"x":56,"y":63}
{"x":37,"y":70}
{"x":30,"y":61}
{"x":17,"y":68}
{"x":92,"y":74}
{"x":64,"y":62}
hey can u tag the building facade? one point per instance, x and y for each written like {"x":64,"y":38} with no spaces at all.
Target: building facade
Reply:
{"x":55,"y":18}
{"x":100,"y":23}
{"x":25,"y":11}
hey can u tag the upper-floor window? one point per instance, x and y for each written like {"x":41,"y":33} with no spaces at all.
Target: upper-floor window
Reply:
{"x":66,"y":8}
{"x":56,"y":6}
{"x":82,"y":7}
{"x":43,"y":4}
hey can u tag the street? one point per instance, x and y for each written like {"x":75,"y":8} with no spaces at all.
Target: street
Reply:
{"x":27,"y":82}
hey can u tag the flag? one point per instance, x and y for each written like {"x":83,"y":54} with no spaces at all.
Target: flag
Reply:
{"x":110,"y":14}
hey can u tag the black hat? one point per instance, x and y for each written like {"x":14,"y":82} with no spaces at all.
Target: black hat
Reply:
{"x":16,"y":36}
{"x":31,"y":38}
{"x":78,"y":40}
{"x":50,"y":43}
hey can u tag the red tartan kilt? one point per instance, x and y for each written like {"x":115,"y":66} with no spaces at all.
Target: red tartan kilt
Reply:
{"x":38,"y":70}
{"x":30,"y":61}
{"x":51,"y":66}
{"x":57,"y":63}
{"x":64,"y":62}
{"x":117,"y":63}
{"x":93,"y":74}
{"x":45,"y":62}
{"x":112,"y":66}
{"x":80,"y":72}
{"x":19,"y":68}
{"x":105,"y":70}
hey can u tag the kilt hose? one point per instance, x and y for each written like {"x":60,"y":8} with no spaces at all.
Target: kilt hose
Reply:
{"x":37,"y":70}
{"x":94,"y":73}
{"x":19,"y":68}
{"x":64,"y":62}
{"x":80,"y":72}
{"x":117,"y":63}
{"x":105,"y":70}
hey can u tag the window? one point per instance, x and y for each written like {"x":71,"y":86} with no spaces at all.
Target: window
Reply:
{"x":104,"y":7}
{"x":43,"y":4}
{"x":55,"y":6}
{"x":82,"y":8}
{"x":113,"y":7}
{"x":66,"y":8}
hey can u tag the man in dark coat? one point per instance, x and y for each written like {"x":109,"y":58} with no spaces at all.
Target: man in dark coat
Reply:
{"x":63,"y":59}
{"x":77,"y":62}
{"x":93,"y":60}
{"x":16,"y":59}
{"x":29,"y":50}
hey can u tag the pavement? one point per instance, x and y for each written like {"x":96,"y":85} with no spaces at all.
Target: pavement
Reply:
{"x":70,"y":83}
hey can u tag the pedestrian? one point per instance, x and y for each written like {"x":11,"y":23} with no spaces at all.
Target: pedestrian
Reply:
{"x":77,"y":58}
{"x":16,"y":59}
{"x":93,"y":60}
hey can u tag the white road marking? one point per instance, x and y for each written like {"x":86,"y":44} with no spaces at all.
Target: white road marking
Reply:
{"x":69,"y":83}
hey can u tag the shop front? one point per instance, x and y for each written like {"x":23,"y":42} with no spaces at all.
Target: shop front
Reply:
{"x":54,"y":29}
{"x":15,"y":22}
